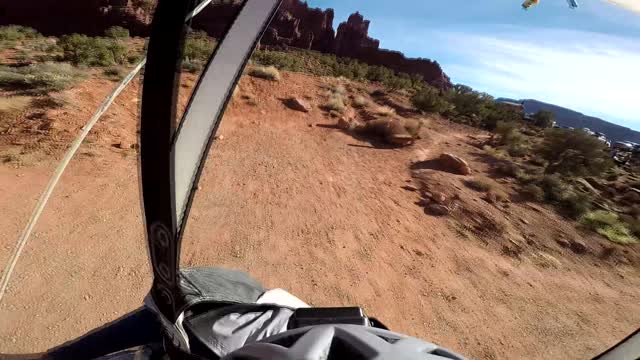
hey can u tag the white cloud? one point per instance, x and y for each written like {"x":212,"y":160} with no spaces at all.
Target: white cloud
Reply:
{"x":633,"y":5}
{"x":593,"y":73}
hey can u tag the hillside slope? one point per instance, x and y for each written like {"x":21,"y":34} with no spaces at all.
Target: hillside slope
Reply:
{"x":332,"y":218}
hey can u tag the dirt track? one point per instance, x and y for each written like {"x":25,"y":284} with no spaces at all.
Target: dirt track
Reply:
{"x":310,"y":209}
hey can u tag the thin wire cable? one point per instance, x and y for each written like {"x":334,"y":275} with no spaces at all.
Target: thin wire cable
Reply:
{"x":42,"y":202}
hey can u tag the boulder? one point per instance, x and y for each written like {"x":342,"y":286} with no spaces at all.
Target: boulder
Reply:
{"x":438,"y":197}
{"x":455,"y":164}
{"x":298,"y":105}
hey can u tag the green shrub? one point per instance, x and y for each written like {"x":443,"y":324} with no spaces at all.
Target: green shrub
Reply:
{"x":493,"y":112}
{"x":479,"y":184}
{"x":92,"y":51}
{"x":198,"y":47}
{"x":507,"y":168}
{"x":429,"y":100}
{"x":533,"y":192}
{"x":467,"y":101}
{"x":117,"y":32}
{"x":574,"y":153}
{"x":554,"y":188}
{"x":269,"y":72}
{"x":38,"y":78}
{"x":279,"y":59}
{"x":17,"y":32}
{"x":335,"y":103}
{"x":608,"y":225}
{"x":543,"y":119}
{"x":574,"y":205}
{"x":114,"y":73}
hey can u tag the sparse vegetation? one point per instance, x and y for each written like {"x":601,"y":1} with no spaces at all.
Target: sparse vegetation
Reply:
{"x":11,"y":105}
{"x":608,"y":224}
{"x":335,"y":103}
{"x":117,"y":32}
{"x":385,"y":111}
{"x":480,"y":184}
{"x":37,"y":78}
{"x":198,"y":48}
{"x":12,"y":33}
{"x":114,"y":73}
{"x":508,"y":168}
{"x":360,"y":101}
{"x":533,"y":192}
{"x":92,"y":51}
{"x":320,"y":64}
{"x":268,"y":72}
{"x":543,"y":119}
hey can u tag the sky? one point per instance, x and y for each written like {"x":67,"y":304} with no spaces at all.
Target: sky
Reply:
{"x":586,"y":59}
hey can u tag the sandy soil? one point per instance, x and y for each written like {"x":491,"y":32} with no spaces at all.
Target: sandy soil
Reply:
{"x":303,"y":206}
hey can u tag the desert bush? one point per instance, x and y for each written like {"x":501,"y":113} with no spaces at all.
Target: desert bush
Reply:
{"x":429,"y":100}
{"x":575,"y":205}
{"x":114,"y":73}
{"x":574,"y":153}
{"x":533,"y":192}
{"x":554,"y":188}
{"x":198,"y":47}
{"x":634,"y":226}
{"x":360,"y":101}
{"x":92,"y":51}
{"x":320,"y":64}
{"x":608,"y":224}
{"x":17,"y":32}
{"x":494,"y":112}
{"x":543,"y":119}
{"x":38,"y":78}
{"x":467,"y":101}
{"x":479,"y":184}
{"x":335,"y":103}
{"x":269,"y":72}
{"x":384,"y":111}
{"x":279,"y":59}
{"x":494,"y":152}
{"x":508,"y":168}
{"x":117,"y":32}
{"x":11,"y":105}
{"x":538,"y":161}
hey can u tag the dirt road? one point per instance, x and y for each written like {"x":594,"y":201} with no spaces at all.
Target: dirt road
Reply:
{"x":310,"y":209}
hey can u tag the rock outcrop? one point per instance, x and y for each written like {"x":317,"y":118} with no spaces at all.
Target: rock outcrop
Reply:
{"x":295,"y":25}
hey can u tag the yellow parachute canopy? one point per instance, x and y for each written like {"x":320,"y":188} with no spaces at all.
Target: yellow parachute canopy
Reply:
{"x":529,"y":3}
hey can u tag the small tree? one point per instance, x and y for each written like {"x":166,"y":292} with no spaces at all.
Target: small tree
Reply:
{"x":429,"y":100}
{"x":544,"y":119}
{"x":574,"y":153}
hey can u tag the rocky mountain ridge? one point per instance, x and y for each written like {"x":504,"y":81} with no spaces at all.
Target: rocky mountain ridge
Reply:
{"x":295,"y":24}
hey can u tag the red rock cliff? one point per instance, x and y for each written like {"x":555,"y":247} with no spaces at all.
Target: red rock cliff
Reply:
{"x":295,"y":24}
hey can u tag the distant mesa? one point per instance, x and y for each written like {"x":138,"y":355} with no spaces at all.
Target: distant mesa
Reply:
{"x":295,"y":24}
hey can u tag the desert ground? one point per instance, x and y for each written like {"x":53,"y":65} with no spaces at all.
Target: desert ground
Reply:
{"x":333,"y":218}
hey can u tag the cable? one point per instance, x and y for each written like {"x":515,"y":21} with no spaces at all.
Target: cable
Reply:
{"x":42,"y":201}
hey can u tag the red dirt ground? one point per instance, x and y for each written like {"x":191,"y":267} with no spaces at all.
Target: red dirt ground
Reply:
{"x":315,"y":211}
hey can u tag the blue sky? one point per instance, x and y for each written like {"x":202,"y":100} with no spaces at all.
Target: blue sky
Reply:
{"x":587,"y":59}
